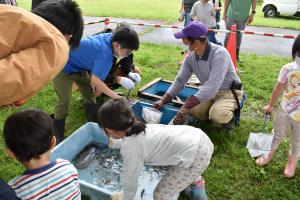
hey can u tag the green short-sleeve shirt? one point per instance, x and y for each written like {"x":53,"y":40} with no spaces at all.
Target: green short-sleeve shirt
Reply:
{"x":239,"y":9}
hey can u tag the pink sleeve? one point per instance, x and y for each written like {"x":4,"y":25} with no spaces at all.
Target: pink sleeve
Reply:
{"x":282,"y":78}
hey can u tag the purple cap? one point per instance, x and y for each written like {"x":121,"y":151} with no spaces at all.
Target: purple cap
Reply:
{"x":193,"y":30}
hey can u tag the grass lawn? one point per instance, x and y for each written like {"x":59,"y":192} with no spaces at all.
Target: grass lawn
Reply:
{"x":282,"y":21}
{"x":232,"y":174}
{"x":166,"y":10}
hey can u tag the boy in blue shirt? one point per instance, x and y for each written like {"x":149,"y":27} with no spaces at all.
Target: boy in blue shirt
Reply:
{"x":88,"y":67}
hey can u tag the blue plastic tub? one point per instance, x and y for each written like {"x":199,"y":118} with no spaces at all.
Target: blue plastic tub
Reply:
{"x":91,"y":133}
{"x":155,"y":90}
{"x":75,"y":143}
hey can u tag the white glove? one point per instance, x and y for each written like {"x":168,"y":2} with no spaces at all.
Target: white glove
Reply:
{"x":135,"y":77}
{"x":126,"y":83}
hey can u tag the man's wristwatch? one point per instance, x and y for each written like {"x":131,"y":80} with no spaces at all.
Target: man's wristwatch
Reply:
{"x":253,"y":12}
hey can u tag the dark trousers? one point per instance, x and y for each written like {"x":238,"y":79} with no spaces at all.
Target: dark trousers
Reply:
{"x":35,"y":3}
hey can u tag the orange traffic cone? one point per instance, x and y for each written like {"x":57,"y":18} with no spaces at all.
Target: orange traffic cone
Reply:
{"x":231,"y":46}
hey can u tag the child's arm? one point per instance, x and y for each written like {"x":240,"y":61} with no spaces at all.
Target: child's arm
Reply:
{"x":277,"y":91}
{"x":99,"y":87}
{"x":132,"y":166}
{"x":193,"y":13}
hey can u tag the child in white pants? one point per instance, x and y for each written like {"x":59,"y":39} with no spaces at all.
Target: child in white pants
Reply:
{"x":184,"y":149}
{"x":288,"y":115}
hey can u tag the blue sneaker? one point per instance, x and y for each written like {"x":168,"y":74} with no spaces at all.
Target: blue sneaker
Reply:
{"x":196,"y":191}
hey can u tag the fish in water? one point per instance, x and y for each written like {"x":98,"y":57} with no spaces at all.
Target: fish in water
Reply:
{"x":86,"y":156}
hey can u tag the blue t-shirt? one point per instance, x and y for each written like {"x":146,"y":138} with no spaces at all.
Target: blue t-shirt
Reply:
{"x":95,"y":54}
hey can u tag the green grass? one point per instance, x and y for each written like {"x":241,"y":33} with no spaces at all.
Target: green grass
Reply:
{"x":140,"y":9}
{"x":166,"y":10}
{"x":232,"y":174}
{"x":282,"y":21}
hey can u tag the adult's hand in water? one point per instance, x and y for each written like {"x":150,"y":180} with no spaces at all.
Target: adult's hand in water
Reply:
{"x":181,"y":116}
{"x":157,"y":105}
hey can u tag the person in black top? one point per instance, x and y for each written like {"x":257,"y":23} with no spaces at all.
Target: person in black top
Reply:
{"x":124,"y":68}
{"x":123,"y":72}
{"x":6,"y":192}
{"x":35,"y":3}
{"x":186,"y":7}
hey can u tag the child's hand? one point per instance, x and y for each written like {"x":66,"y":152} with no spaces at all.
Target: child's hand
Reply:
{"x":268,"y":108}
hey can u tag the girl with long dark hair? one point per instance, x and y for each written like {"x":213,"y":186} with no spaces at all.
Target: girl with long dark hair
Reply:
{"x":185,"y":149}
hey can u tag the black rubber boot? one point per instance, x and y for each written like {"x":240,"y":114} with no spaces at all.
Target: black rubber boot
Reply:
{"x":59,"y":129}
{"x":91,"y":111}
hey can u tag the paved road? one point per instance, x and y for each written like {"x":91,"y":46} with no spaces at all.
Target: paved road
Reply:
{"x":261,"y":45}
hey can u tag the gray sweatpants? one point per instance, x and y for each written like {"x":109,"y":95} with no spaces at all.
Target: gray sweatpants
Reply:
{"x":240,"y":25}
{"x":282,"y":124}
{"x":177,"y":179}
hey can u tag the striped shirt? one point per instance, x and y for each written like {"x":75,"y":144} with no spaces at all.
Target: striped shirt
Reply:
{"x":57,"y":180}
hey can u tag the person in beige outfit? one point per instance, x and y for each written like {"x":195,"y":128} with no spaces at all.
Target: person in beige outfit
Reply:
{"x":34,"y":46}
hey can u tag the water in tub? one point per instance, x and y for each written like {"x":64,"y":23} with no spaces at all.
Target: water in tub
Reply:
{"x":105,"y":169}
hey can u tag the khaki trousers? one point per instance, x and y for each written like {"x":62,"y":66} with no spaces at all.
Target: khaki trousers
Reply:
{"x":63,"y":87}
{"x":219,"y":109}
